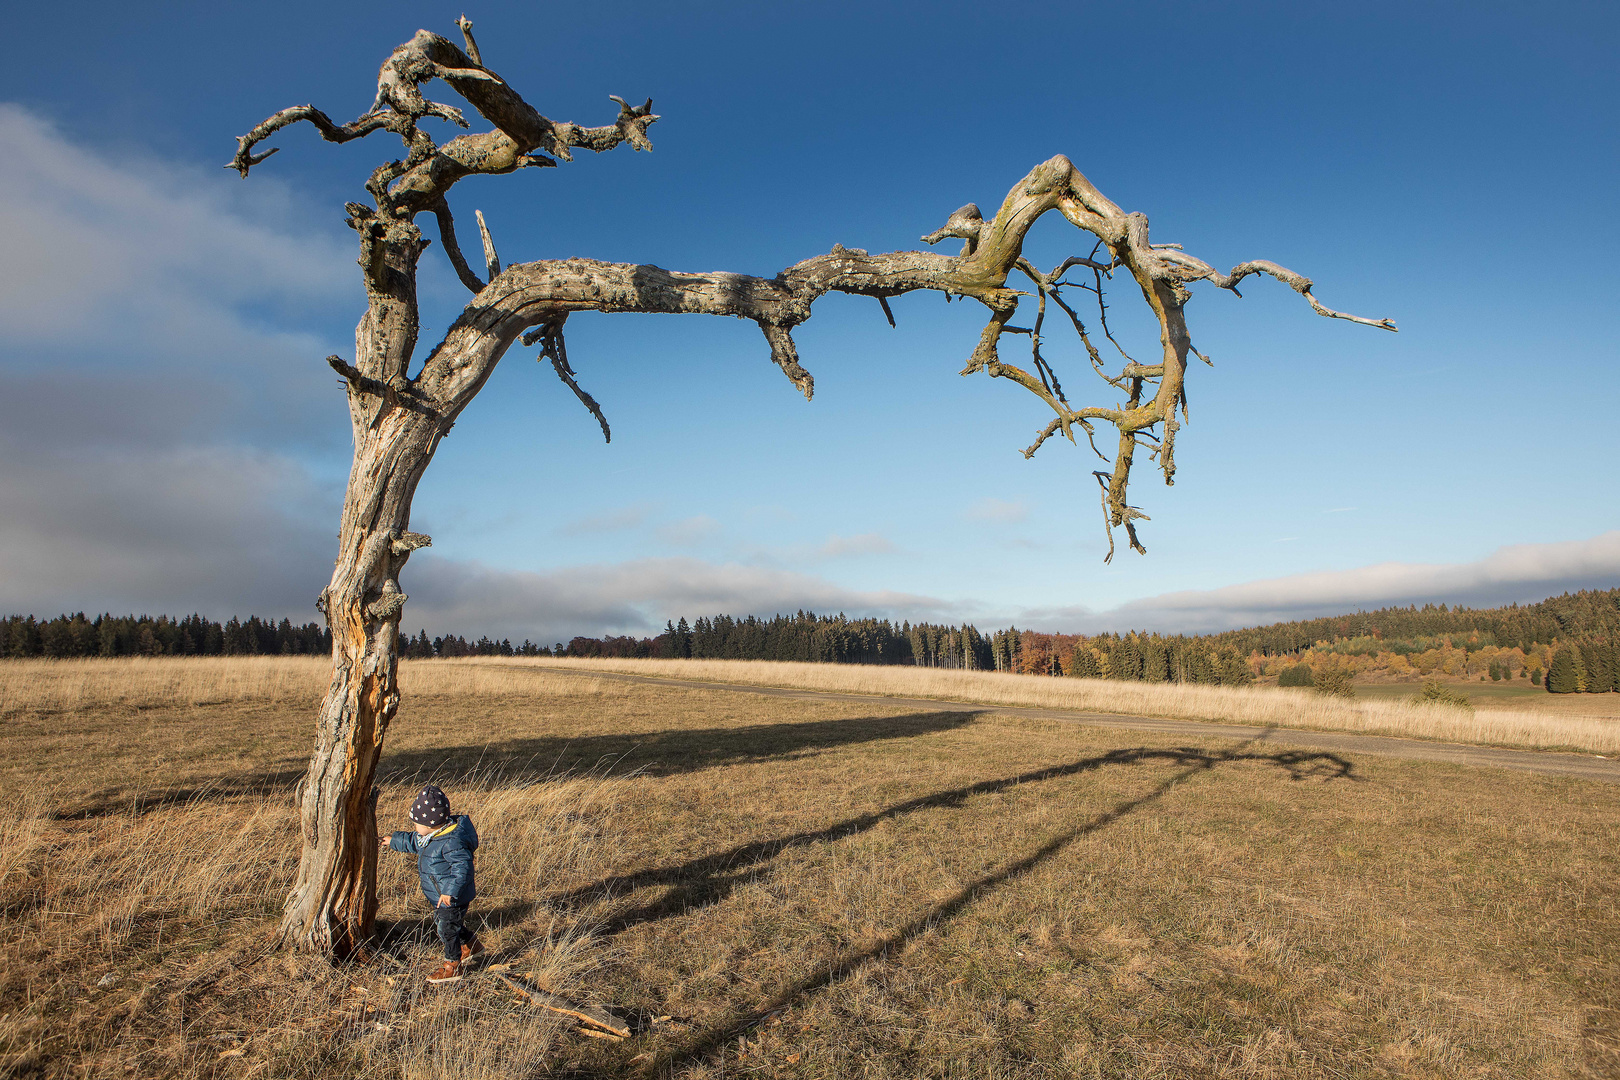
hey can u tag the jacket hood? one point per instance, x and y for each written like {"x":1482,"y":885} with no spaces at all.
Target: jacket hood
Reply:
{"x":458,"y":829}
{"x":465,"y":832}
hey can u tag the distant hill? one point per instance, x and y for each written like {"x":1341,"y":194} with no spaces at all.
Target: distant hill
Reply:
{"x":1585,"y":614}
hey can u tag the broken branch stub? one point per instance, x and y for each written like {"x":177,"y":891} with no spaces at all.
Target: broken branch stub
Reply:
{"x":398,"y":419}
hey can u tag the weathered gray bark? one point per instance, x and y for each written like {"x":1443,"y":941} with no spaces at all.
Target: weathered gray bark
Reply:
{"x":398,"y":419}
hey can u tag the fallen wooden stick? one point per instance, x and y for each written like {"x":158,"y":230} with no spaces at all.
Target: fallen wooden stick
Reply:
{"x":585,"y":1014}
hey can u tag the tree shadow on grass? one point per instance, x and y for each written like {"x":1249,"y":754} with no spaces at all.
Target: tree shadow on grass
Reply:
{"x":671,"y":752}
{"x":263,"y":784}
{"x":518,"y":761}
{"x":713,"y":877}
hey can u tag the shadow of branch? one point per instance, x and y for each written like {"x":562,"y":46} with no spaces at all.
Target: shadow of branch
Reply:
{"x":1299,"y":764}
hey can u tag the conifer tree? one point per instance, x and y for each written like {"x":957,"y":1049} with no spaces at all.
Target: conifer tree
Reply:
{"x":1232,"y":669}
{"x":1599,"y":673}
{"x":1155,"y":660}
{"x":1083,"y":663}
{"x":1565,"y":675}
{"x":1125,"y":660}
{"x":1297,"y":675}
{"x":683,"y":639}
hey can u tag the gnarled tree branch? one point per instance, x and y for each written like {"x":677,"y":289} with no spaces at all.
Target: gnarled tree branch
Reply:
{"x":492,"y":261}
{"x":555,"y":349}
{"x":447,"y":237}
{"x":531,"y":293}
{"x":359,"y":128}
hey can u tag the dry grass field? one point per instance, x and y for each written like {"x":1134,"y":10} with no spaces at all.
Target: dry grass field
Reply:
{"x":1517,"y":695}
{"x":790,"y":888}
{"x":1529,"y":724}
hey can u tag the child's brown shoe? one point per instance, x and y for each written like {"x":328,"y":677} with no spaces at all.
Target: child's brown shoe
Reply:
{"x":471,"y":949}
{"x":447,"y":972}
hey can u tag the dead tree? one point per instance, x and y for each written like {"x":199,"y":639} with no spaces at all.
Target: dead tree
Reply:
{"x":399,"y":417}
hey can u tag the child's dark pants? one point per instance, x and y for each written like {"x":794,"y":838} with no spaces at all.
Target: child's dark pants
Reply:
{"x":451,"y":933}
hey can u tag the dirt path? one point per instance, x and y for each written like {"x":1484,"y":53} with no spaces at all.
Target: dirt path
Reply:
{"x":1584,"y":766}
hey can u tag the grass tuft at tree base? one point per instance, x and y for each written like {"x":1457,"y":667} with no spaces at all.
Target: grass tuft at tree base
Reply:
{"x":1335,"y":682}
{"x":1435,"y":693}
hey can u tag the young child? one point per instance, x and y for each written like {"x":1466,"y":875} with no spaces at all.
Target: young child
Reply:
{"x":443,"y":844}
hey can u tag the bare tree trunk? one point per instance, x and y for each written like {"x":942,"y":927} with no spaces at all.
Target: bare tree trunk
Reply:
{"x":333,"y":904}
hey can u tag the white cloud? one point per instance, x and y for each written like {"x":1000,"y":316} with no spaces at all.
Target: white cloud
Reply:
{"x":796,"y":556}
{"x":167,"y":529}
{"x":139,"y":374}
{"x":92,"y":244}
{"x":129,"y":274}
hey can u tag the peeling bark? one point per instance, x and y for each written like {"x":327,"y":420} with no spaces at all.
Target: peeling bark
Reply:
{"x":398,"y":419}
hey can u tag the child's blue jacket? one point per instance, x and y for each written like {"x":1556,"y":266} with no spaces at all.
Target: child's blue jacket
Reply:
{"x":444,"y":860}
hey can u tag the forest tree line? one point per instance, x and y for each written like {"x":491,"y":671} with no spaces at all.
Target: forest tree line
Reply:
{"x":1568,"y":643}
{"x":837,"y":639}
{"x":803,"y":636}
{"x":70,"y":636}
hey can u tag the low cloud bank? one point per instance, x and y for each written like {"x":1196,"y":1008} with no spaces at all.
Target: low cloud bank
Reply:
{"x":1518,"y":573}
{"x":633,"y":597}
{"x":167,"y":531}
{"x":146,"y":393}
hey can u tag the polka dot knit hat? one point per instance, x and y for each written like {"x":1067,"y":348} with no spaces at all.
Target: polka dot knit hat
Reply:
{"x":431,"y":808}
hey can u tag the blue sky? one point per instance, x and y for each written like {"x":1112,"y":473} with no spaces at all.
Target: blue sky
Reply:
{"x":173,"y":441}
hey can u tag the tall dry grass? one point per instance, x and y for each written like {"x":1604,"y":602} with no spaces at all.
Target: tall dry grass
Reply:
{"x":167,"y":909}
{"x":1261,"y":706}
{"x":147,"y":682}
{"x":54,"y":685}
{"x":29,"y":686}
